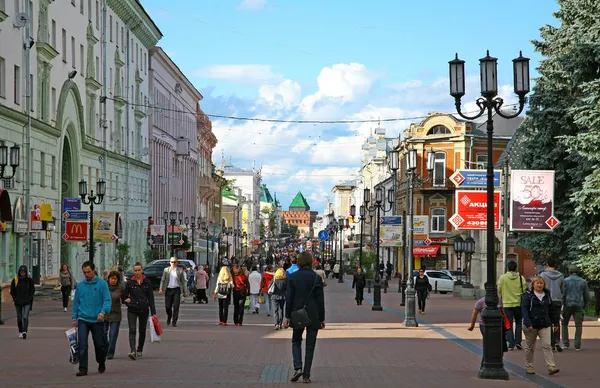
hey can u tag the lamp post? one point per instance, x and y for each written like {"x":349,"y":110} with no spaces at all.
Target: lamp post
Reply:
{"x":410,"y":319}
{"x":91,"y":199}
{"x":489,"y":102}
{"x":375,"y":209}
{"x":459,"y":248}
{"x":173,"y":219}
{"x":469,"y":249}
{"x":342,"y":226}
{"x":394,"y":165}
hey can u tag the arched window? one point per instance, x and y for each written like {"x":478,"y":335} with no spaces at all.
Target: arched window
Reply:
{"x":439,"y":130}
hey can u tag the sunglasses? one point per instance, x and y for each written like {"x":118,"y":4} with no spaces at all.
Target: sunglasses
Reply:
{"x":173,"y":262}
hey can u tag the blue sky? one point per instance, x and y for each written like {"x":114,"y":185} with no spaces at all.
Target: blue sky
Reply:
{"x":333,"y":60}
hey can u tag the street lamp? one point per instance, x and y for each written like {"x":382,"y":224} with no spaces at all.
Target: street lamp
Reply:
{"x":342,"y":225}
{"x":493,"y":365}
{"x":173,"y":219}
{"x":166,"y":237}
{"x":375,"y":209}
{"x":410,"y":319}
{"x":91,"y":199}
{"x":459,"y":248}
{"x":193,"y":225}
{"x":15,"y":155}
{"x":469,"y":249}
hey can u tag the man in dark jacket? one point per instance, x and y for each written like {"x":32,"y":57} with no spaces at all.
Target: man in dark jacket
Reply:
{"x":22,"y":290}
{"x":305,"y":290}
{"x":575,"y":299}
{"x":554,"y":282}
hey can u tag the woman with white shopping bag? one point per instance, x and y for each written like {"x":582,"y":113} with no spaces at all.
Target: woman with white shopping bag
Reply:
{"x":139,"y":299}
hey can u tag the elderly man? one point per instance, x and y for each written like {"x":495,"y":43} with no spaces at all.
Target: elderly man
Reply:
{"x":172,"y":284}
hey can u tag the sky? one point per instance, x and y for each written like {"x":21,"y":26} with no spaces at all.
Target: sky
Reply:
{"x":334,"y":60}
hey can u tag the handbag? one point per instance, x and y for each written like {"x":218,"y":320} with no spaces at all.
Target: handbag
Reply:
{"x":154,"y":337}
{"x":157,"y":326}
{"x":261,"y":299}
{"x":299,"y":319}
{"x":271,"y":290}
{"x":506,"y":324}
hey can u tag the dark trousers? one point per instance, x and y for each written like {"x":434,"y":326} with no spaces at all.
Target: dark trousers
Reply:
{"x":111,"y":330}
{"x":23,"y":317}
{"x":201,"y":295}
{"x":515,"y":334}
{"x":66,"y":293}
{"x":172,"y":302}
{"x":555,"y":311}
{"x":223,"y":309}
{"x":239,"y":299}
{"x":359,"y":293}
{"x":279,"y":312}
{"x":421,"y":298}
{"x":597,"y":297}
{"x":311,"y":341}
{"x":132,"y":320}
{"x":98,"y":338}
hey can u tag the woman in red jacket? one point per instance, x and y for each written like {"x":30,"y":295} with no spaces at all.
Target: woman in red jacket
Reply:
{"x":241,"y":289}
{"x":265,"y":282}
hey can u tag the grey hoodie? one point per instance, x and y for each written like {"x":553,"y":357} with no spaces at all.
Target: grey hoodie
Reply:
{"x":554,"y":282}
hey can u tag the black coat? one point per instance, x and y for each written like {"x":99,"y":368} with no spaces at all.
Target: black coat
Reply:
{"x":299,"y":285}
{"x":422,"y":284}
{"x":359,"y":281}
{"x":22,"y":290}
{"x":141,"y":295}
{"x":536,"y":313}
{"x":279,"y":289}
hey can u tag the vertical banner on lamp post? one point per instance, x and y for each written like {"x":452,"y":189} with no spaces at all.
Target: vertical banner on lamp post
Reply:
{"x":390,"y":231}
{"x":104,"y":226}
{"x":532,"y":201}
{"x":420,"y":227}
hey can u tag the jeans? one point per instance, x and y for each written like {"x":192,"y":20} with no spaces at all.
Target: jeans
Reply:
{"x":224,"y":310}
{"x":66,"y":293}
{"x":267,"y":302}
{"x":132,"y":319}
{"x":279,"y":312}
{"x":577,"y":313}
{"x":311,"y":341}
{"x":239,"y":299}
{"x":254,"y":305}
{"x":23,"y":317}
{"x":172,"y":302}
{"x":421,"y":297}
{"x":98,"y":338}
{"x":514,"y":336}
{"x":359,"y":294}
{"x":111,"y":330}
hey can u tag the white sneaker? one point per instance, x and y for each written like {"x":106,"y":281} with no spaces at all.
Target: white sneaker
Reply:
{"x":65,"y":309}
{"x":20,"y":335}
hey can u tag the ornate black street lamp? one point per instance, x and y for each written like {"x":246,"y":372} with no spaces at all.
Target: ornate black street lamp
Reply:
{"x":469,"y":249}
{"x":459,"y":248}
{"x":342,"y":227}
{"x":493,"y":364}
{"x":91,"y":199}
{"x":375,"y":210}
{"x":173,"y":219}
{"x":410,"y":319}
{"x":15,"y":155}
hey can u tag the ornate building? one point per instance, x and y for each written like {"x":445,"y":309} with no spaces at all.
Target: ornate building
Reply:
{"x":299,"y":215}
{"x":209,"y":193}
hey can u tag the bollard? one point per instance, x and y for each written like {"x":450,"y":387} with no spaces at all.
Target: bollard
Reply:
{"x":369,"y":286}
{"x":435,"y":291}
{"x":385,"y":286}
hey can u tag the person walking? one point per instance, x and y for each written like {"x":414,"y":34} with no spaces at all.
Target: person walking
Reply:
{"x":67,"y":284}
{"x":327,"y":268}
{"x":511,"y":287}
{"x":172,"y":284}
{"x":254,"y":280}
{"x":139,"y":299}
{"x":422,"y":287}
{"x":538,"y":320}
{"x":279,"y":290}
{"x":293,"y":265}
{"x":554,"y":281}
{"x":241,"y":289}
{"x":201,"y":279}
{"x":223,"y":293}
{"x":305,"y":291}
{"x":22,"y":290}
{"x":91,"y":304}
{"x":336,"y":271}
{"x":575,"y":299}
{"x":358,"y":283}
{"x":265,"y":282}
{"x":112,"y":322}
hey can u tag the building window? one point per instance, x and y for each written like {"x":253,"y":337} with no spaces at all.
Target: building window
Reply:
{"x":110,"y":23}
{"x":17,"y":85}
{"x":439,"y":169}
{"x":97,"y":15}
{"x":438,"y":220}
{"x":97,"y":67}
{"x":32,"y":92}
{"x":54,"y":33}
{"x":53,"y":103}
{"x":81,"y":6}
{"x":122,"y":40}
{"x":2,"y":6}
{"x":2,"y":77}
{"x":89,"y":10}
{"x":439,"y":130}
{"x":131,"y":50}
{"x":482,"y":161}
{"x":42,"y":169}
{"x":117,"y":32}
{"x":53,"y":172}
{"x":81,"y":59}
{"x":64,"y":45}
{"x":73,"y":53}
{"x":17,"y":7}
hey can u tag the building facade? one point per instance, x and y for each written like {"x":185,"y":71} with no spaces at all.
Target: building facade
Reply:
{"x":299,"y":215}
{"x":85,"y":97}
{"x":209,"y":194}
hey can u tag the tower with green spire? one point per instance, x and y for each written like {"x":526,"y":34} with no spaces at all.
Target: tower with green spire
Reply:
{"x":299,"y":204}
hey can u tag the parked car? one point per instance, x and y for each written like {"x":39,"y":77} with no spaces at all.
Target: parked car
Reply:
{"x":180,"y":262}
{"x":445,"y":283}
{"x":455,"y":275}
{"x":153,"y":272}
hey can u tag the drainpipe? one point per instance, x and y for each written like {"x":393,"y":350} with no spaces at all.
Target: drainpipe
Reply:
{"x":103,"y":101}
{"x":28,"y":259}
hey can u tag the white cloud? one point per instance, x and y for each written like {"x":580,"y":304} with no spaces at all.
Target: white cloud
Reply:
{"x":253,"y":75}
{"x":252,"y":5}
{"x":343,"y":150}
{"x":285,"y":94}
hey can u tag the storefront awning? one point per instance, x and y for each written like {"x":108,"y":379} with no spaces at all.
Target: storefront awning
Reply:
{"x":430,"y":250}
{"x":5,"y":207}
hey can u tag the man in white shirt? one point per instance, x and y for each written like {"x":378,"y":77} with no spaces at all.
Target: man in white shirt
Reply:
{"x":172,"y":284}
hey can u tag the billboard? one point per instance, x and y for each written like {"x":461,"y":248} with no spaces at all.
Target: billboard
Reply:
{"x":390,"y":231}
{"x":532,"y":201}
{"x":104,"y":226}
{"x":420,"y":227}
{"x":471,"y":210}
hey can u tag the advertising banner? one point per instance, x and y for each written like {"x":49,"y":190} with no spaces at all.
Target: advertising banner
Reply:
{"x":420,"y":227}
{"x":76,"y":231}
{"x":390,"y":231}
{"x":104,"y":226}
{"x":532,"y":201}
{"x":471,"y":210}
{"x":157,"y":235}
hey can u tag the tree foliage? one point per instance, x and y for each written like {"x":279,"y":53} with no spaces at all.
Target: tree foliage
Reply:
{"x":558,"y":121}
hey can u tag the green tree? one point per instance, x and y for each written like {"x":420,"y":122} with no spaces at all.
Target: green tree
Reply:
{"x":570,"y":63}
{"x":123,"y":257}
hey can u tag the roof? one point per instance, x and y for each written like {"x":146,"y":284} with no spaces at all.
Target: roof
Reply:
{"x":502,"y":127}
{"x":230,"y":168}
{"x":512,"y":150}
{"x":300,"y":201}
{"x":265,"y":195}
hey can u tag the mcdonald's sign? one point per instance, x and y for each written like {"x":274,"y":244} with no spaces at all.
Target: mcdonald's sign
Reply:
{"x":76,"y":231}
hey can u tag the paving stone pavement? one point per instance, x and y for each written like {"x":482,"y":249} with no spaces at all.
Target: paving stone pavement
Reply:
{"x":359,"y":347}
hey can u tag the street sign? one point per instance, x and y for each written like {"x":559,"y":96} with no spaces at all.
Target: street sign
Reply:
{"x":552,"y":222}
{"x":175,"y":238}
{"x":75,"y":215}
{"x":323,"y":235}
{"x":471,"y":210}
{"x":474,"y":178}
{"x":71,"y":204}
{"x":76,"y":231}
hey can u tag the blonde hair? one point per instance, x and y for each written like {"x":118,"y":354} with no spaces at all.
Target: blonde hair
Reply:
{"x":535,"y":279}
{"x":224,"y":275}
{"x":280,"y":273}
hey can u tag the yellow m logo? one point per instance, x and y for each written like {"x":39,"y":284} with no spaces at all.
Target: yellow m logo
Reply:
{"x":76,"y":230}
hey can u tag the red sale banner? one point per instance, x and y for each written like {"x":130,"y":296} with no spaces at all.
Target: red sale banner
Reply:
{"x":471,"y":210}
